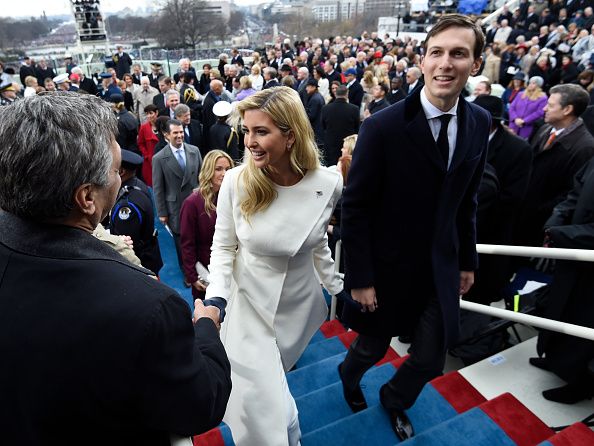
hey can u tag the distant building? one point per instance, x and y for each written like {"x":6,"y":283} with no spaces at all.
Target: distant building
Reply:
{"x":384,"y":7}
{"x":218,"y":7}
{"x":331,"y":10}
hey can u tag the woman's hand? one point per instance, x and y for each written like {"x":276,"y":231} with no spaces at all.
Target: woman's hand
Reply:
{"x":199,"y":286}
{"x":519,"y":122}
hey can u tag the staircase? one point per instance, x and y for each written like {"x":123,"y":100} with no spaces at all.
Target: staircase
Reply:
{"x":449,"y":411}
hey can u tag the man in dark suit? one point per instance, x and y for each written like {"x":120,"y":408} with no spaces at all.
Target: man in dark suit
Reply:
{"x":27,"y":69}
{"x":560,"y":148}
{"x":165,"y":84}
{"x":172,"y":100}
{"x":396,"y":93}
{"x":339,"y":120}
{"x":511,"y":158}
{"x":175,"y":176}
{"x":116,"y":352}
{"x":156,"y":74}
{"x":192,"y":127}
{"x":356,"y":92}
{"x":413,"y":79}
{"x":122,"y":61}
{"x":314,"y":102}
{"x":425,"y":155}
{"x":208,"y":117}
{"x":270,"y":79}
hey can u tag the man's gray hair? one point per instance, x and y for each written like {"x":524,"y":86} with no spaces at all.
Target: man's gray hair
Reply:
{"x":52,"y":144}
{"x":181,"y":109}
{"x":170,"y":93}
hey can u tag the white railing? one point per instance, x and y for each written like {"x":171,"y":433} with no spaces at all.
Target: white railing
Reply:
{"x":517,"y":251}
{"x":512,"y":5}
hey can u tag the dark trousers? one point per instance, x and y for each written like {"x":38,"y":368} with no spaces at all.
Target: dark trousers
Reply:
{"x":425,"y":362}
{"x":178,"y":251}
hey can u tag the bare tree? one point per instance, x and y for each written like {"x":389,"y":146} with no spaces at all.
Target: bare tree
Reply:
{"x":186,"y":23}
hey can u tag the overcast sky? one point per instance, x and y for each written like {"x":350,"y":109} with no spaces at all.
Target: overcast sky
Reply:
{"x":34,"y":8}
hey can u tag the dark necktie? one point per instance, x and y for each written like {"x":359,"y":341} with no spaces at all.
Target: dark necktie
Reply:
{"x":187,"y":135}
{"x":443,"y":143}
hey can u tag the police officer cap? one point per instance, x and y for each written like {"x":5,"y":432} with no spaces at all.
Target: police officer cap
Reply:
{"x":6,"y":87}
{"x":131,"y":158}
{"x":105,"y":75}
{"x":222,"y":108}
{"x":61,"y":78}
{"x":116,"y":98}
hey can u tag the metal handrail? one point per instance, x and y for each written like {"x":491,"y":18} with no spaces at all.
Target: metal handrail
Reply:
{"x":583,"y":255}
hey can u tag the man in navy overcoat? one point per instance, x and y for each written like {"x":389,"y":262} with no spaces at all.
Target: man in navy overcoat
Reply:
{"x":408,"y":220}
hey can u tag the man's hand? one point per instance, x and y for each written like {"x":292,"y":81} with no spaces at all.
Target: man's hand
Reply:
{"x":164,"y":220}
{"x":366,"y":297}
{"x":199,"y":286}
{"x":466,"y":281}
{"x":210,"y":312}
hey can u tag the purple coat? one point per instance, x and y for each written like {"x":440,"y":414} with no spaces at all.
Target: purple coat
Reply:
{"x":196,"y":233}
{"x":529,"y":110}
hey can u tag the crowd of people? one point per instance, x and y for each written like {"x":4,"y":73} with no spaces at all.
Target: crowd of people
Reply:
{"x":289,"y":120}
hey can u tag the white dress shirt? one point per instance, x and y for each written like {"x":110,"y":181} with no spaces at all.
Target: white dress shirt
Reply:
{"x":432,"y":113}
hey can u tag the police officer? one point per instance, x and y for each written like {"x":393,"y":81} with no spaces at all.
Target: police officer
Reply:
{"x":8,"y":94}
{"x":133,"y":214}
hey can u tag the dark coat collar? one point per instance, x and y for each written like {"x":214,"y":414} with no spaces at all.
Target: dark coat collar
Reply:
{"x":419,"y":131}
{"x":55,"y":241}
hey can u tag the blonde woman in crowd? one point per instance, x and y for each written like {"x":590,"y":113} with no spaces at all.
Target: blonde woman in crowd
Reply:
{"x":198,"y":216}
{"x":269,"y":248}
{"x":256,"y":77}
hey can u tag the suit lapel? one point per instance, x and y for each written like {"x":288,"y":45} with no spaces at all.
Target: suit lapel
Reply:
{"x":173,"y":163}
{"x":190,"y":162}
{"x":419,"y":131}
{"x":464,"y":137}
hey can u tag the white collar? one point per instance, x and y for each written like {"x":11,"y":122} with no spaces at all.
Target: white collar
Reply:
{"x":431,"y":111}
{"x":175,"y":149}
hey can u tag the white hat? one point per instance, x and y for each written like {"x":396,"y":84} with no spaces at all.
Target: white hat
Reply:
{"x":222,"y":108}
{"x":61,"y":78}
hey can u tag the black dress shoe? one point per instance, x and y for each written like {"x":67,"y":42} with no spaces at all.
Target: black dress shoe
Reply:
{"x":541,"y":363}
{"x":569,"y":394}
{"x":354,"y":398}
{"x":405,"y":339}
{"x":398,"y":420}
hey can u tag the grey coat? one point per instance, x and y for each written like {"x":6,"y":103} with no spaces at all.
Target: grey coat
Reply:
{"x":171,"y":185}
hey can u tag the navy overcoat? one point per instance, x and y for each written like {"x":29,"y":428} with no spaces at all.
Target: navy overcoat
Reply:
{"x":408,"y":223}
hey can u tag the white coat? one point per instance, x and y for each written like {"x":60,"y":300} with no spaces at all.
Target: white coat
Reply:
{"x":270,"y":271}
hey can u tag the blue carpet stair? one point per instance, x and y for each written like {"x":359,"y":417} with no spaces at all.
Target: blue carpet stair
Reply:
{"x":448,"y":412}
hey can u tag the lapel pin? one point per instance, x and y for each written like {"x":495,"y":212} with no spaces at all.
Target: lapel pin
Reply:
{"x":319,"y":193}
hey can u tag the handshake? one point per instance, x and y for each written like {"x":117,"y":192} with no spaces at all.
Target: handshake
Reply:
{"x":201,"y":311}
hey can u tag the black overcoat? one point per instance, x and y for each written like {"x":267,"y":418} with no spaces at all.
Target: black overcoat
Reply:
{"x":96,"y":351}
{"x":339,"y":120}
{"x":572,"y":226}
{"x":408,"y":226}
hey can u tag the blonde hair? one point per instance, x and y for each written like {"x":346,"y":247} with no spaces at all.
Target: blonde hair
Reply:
{"x":245,"y":82}
{"x":345,"y":160}
{"x":257,"y":68}
{"x":284,"y":107}
{"x":206,"y":175}
{"x":30,"y":81}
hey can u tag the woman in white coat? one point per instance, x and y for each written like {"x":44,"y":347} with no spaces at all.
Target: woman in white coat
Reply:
{"x":269,"y":254}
